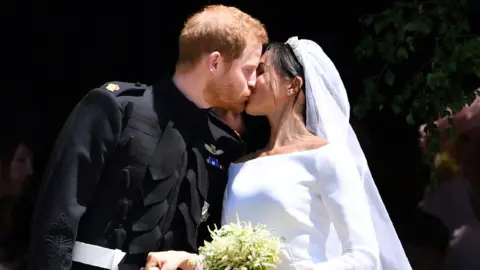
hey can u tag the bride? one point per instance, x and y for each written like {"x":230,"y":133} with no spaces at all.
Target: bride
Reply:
{"x":311,"y":184}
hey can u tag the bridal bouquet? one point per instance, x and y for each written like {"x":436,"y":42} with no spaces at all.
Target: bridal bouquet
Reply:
{"x":241,"y":246}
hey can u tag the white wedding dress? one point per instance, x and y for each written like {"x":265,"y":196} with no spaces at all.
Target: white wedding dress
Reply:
{"x":310,"y":198}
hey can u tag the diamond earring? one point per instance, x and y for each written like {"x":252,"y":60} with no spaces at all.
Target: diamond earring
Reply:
{"x":289,"y":92}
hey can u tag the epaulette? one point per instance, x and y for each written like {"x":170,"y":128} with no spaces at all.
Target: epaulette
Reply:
{"x":125,"y":88}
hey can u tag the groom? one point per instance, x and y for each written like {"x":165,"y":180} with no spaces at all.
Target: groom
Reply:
{"x":141,"y":168}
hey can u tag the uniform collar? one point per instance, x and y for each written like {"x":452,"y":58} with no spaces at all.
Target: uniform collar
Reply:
{"x":186,"y":111}
{"x":178,"y":103}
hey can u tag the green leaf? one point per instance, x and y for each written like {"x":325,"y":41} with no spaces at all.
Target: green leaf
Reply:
{"x":420,"y":8}
{"x":418,"y":26}
{"x":381,"y":25}
{"x":411,"y":43}
{"x":397,"y":102}
{"x":409,"y":119}
{"x":381,"y":98}
{"x":453,"y":66}
{"x":464,"y":25}
{"x":476,"y":71}
{"x":402,"y":53}
{"x":398,"y":99}
{"x":389,"y":78}
{"x":401,"y":35}
{"x":370,"y":88}
{"x":390,"y":38}
{"x":443,"y":28}
{"x":365,"y":48}
{"x":396,"y":109}
{"x":433,"y":79}
{"x":457,"y":106}
{"x":471,"y":96}
{"x":383,"y":48}
{"x":473,"y":45}
{"x":360,"y":110}
{"x":367,"y":20}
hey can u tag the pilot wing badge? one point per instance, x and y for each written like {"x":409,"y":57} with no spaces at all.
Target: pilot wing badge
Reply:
{"x":212,"y":149}
{"x":215,"y":152}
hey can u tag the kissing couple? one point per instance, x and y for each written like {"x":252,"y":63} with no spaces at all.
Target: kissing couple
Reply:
{"x":139,"y":172}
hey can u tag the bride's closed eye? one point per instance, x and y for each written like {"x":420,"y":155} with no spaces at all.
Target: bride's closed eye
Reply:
{"x":260,"y":69}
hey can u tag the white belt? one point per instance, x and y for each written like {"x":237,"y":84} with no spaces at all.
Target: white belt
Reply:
{"x":97,"y":256}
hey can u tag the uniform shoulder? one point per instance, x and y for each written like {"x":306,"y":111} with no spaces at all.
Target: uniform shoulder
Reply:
{"x":100,"y":98}
{"x":124,"y":88}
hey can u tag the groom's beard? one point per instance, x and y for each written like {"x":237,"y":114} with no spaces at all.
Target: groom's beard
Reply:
{"x":221,"y":93}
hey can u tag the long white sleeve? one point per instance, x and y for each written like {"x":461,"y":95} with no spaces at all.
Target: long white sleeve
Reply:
{"x":347,"y":205}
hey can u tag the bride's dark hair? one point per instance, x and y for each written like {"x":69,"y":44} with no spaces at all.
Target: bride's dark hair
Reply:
{"x":283,"y":60}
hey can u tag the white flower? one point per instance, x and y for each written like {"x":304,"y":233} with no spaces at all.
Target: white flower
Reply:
{"x":241,"y":246}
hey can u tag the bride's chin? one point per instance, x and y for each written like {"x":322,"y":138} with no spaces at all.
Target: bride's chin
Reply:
{"x":251,"y":111}
{"x":248,"y":109}
{"x":254,"y":108}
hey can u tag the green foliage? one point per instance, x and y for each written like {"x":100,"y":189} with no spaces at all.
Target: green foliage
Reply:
{"x":426,"y":60}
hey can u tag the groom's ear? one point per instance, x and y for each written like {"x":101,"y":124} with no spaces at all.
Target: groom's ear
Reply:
{"x":214,"y":61}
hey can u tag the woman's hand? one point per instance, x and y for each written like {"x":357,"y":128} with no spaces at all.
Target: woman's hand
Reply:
{"x":169,"y":260}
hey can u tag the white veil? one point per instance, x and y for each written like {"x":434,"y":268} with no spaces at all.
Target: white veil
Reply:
{"x":328,"y":116}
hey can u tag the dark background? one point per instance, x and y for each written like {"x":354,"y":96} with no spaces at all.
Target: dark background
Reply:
{"x":53,"y":52}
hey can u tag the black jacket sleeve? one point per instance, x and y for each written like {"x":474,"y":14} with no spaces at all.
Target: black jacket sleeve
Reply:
{"x":87,"y":139}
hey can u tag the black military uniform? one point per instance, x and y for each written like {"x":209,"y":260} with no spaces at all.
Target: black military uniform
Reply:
{"x":135,"y":168}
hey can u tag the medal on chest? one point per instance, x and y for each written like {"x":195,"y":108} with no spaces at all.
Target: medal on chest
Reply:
{"x":212,"y":149}
{"x":205,"y":207}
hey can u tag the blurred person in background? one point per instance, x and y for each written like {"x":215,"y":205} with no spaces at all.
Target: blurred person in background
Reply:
{"x":463,"y":250}
{"x":426,"y":241}
{"x":457,"y":199}
{"x":16,"y":199}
